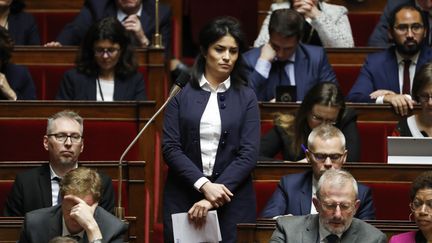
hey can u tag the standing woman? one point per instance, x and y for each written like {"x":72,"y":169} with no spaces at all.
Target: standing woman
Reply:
{"x":106,"y":68}
{"x":22,"y":26}
{"x":211,"y":136}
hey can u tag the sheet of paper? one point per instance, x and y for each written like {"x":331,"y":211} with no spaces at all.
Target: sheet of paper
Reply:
{"x":185,"y":232}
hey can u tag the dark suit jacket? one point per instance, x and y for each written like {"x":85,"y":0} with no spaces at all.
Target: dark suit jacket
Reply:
{"x":23,"y":29}
{"x":295,"y":229}
{"x":294,"y":196}
{"x":379,"y":37}
{"x":94,"y":10}
{"x":310,"y":67}
{"x":235,"y":159}
{"x":32,"y":190}
{"x":380,"y":71}
{"x":78,"y":86}
{"x":20,"y":81}
{"x":44,"y":224}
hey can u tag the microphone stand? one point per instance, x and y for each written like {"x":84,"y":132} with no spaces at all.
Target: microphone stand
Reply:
{"x":157,"y":37}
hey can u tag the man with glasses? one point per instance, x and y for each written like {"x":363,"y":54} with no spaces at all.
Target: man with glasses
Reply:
{"x":326,"y":151}
{"x":336,"y":202}
{"x":284,"y":67}
{"x":386,"y":77}
{"x":39,"y":187}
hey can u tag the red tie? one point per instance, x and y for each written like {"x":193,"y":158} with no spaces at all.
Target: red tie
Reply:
{"x":406,"y":88}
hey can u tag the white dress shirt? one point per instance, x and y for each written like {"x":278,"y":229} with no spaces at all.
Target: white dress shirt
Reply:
{"x":263,"y":68}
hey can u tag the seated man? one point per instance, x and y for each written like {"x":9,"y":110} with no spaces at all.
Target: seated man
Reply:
{"x":326,"y":151}
{"x":39,"y":187}
{"x":336,"y":202}
{"x":78,"y":216}
{"x":387,"y":76}
{"x":284,"y":61}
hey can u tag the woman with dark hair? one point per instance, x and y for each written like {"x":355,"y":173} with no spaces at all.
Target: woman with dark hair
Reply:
{"x":421,"y":208}
{"x":324,"y":103}
{"x":326,"y":24}
{"x":15,"y":81}
{"x":106,"y":68}
{"x":22,"y":26}
{"x":420,"y":124}
{"x":211,"y":136}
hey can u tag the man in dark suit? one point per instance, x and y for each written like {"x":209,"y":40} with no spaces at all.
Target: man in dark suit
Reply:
{"x":326,"y":151}
{"x":387,"y":76}
{"x":284,"y":61}
{"x":380,"y":38}
{"x":336,"y":202}
{"x":138,"y":17}
{"x":39,"y":187}
{"x":78,"y":216}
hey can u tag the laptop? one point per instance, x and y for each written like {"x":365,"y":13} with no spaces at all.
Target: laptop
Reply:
{"x":409,"y":150}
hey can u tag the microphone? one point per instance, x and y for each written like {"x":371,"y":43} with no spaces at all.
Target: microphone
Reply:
{"x":175,"y":89}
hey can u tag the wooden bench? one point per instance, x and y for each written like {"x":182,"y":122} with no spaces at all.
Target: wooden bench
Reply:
{"x":262,"y":231}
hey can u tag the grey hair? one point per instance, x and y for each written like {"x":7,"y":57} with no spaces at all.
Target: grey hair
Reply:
{"x":72,"y":115}
{"x":326,"y":132}
{"x":337,"y":178}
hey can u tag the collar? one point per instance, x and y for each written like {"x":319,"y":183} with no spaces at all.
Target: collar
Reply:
{"x":65,"y":230}
{"x":323,"y":232}
{"x":292,"y":58}
{"x":413,"y":58}
{"x":122,"y":15}
{"x":54,"y":175}
{"x":222,"y":87}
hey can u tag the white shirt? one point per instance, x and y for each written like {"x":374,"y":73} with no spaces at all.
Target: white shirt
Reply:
{"x":210,"y":128}
{"x":107,"y":87}
{"x":412,"y":69}
{"x":314,"y":189}
{"x":263,"y":67}
{"x":122,"y":15}
{"x":55,"y":186}
{"x":412,"y":125}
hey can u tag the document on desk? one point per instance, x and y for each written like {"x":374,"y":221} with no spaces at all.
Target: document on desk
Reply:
{"x":185,"y":232}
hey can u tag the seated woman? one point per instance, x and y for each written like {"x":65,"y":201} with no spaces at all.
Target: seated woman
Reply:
{"x":419,"y":125}
{"x":326,"y":24}
{"x":22,"y":26}
{"x":106,"y":69}
{"x":15,"y":81}
{"x":324,"y":103}
{"x":421,"y":207}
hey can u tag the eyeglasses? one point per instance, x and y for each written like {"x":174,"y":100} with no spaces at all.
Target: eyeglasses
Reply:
{"x":321,"y":157}
{"x":323,"y":120}
{"x":424,"y":98}
{"x":417,"y":205}
{"x":403,"y":28}
{"x":62,"y":137}
{"x":99,"y":52}
{"x":343,"y":206}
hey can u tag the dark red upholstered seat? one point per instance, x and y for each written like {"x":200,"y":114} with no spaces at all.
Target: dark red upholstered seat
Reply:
{"x":373,"y":139}
{"x":362,"y":25}
{"x":346,"y":76}
{"x":51,"y":23}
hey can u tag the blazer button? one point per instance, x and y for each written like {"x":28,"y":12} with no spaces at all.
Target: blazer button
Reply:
{"x":222,"y":97}
{"x":223,"y":106}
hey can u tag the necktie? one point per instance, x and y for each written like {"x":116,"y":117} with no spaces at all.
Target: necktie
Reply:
{"x":406,"y":87}
{"x":59,"y":197}
{"x":283,"y":76}
{"x":332,"y":238}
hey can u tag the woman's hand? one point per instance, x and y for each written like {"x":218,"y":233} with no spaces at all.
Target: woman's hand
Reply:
{"x":5,"y":88}
{"x":198,"y":213}
{"x":216,"y":194}
{"x":307,"y":7}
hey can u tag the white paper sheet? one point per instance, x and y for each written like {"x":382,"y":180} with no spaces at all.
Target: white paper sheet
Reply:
{"x":185,"y":232}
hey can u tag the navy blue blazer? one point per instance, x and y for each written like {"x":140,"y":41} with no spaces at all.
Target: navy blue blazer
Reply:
{"x":42,"y":225}
{"x":94,"y":10}
{"x":236,"y":156}
{"x":78,"y":86}
{"x":310,"y":67}
{"x":380,"y":71}
{"x":32,"y":190}
{"x":294,"y":196}
{"x":20,"y":81}
{"x":23,"y":29}
{"x":379,"y":37}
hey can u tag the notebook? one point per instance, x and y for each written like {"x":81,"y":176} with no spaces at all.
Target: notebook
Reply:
{"x":409,"y":150}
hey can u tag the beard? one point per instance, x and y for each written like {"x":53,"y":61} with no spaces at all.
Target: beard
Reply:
{"x":409,"y":47}
{"x":335,"y":230}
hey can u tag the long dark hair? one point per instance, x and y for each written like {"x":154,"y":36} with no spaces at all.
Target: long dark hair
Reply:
{"x":211,"y":33}
{"x":422,"y":78}
{"x":16,"y":6}
{"x":324,"y":93}
{"x":107,"y":29}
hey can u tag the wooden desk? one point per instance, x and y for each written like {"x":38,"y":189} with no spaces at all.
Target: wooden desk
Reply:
{"x":10,"y":229}
{"x":262,"y":231}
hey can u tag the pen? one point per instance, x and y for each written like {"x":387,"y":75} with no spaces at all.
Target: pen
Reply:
{"x":303,"y":148}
